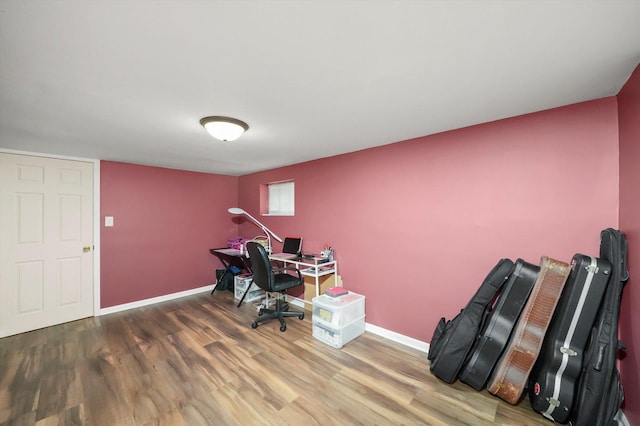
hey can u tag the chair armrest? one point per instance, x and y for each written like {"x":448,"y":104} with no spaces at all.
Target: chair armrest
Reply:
{"x":289,"y":268}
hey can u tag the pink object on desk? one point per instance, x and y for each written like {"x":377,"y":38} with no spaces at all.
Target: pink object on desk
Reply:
{"x":336,"y":291}
{"x":236,"y":243}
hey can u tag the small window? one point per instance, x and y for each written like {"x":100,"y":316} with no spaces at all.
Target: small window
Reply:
{"x":281,"y":198}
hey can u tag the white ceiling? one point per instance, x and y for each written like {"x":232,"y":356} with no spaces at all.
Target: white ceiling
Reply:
{"x":129,"y":80}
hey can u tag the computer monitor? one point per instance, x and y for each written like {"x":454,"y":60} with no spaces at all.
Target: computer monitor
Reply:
{"x":291,"y":248}
{"x":292,"y":245}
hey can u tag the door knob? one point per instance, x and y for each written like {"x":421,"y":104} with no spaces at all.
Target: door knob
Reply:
{"x":86,"y":249}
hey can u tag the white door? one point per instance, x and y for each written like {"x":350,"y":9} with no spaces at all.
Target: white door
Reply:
{"x":46,"y":242}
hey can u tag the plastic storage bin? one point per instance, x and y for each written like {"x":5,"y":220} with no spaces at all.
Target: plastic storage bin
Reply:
{"x":240,"y":286}
{"x":338,"y":337}
{"x":338,"y":320}
{"x":337,"y":312}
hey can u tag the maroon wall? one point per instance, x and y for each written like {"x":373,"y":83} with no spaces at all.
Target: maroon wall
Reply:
{"x":417,"y":225}
{"x":629,"y":119}
{"x":165,"y":222}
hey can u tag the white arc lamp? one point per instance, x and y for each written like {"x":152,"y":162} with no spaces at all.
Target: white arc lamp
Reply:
{"x":267,"y":231}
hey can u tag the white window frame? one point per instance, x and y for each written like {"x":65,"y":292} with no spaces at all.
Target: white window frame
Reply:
{"x":281,"y":196}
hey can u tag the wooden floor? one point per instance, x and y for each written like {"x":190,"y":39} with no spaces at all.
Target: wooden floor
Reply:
{"x":196,"y":361}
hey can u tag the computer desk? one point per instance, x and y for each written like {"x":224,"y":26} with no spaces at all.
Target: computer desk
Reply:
{"x":230,"y":257}
{"x":314,"y":267}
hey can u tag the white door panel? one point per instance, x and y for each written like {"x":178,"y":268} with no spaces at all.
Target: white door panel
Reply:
{"x":46,"y":240}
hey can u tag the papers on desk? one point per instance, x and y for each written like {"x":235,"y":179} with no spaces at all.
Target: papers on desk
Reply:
{"x":315,"y":259}
{"x":229,"y":251}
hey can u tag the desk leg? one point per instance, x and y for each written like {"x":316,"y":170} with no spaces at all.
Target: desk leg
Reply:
{"x":226,"y":271}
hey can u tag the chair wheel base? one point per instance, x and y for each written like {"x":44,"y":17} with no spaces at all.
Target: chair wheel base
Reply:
{"x":280,"y":311}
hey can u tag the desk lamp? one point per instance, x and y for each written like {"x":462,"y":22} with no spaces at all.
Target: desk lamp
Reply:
{"x":267,"y":231}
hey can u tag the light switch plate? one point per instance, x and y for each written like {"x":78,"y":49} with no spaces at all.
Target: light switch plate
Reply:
{"x":108,"y":221}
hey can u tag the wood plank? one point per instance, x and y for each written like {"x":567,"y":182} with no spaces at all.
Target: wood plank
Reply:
{"x":197,"y":361}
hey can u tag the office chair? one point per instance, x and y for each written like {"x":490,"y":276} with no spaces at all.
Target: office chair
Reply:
{"x":272,"y":279}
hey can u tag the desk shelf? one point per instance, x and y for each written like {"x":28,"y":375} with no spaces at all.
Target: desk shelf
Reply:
{"x":320,"y":272}
{"x":316,"y":269}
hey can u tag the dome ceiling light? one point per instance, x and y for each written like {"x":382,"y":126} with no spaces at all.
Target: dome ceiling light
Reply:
{"x":224,"y":128}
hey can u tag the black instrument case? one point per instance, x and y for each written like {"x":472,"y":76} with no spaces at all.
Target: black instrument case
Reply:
{"x":554,"y":377}
{"x":452,"y":340}
{"x":494,"y":336}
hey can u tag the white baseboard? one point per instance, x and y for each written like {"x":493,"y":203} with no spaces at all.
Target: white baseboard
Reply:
{"x":296,"y":302}
{"x":397,"y":337}
{"x":382,"y":332}
{"x":374,"y":329}
{"x":621,"y":419}
{"x":147,"y":302}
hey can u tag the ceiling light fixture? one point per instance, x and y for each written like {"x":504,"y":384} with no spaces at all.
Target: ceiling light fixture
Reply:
{"x":224,"y":128}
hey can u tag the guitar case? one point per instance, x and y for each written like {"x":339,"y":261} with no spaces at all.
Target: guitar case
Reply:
{"x":554,"y":377}
{"x":600,"y":394}
{"x":495,"y":334}
{"x":509,"y":378}
{"x":452,"y":340}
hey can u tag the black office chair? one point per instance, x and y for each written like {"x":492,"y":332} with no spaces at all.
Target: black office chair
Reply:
{"x":275,"y":280}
